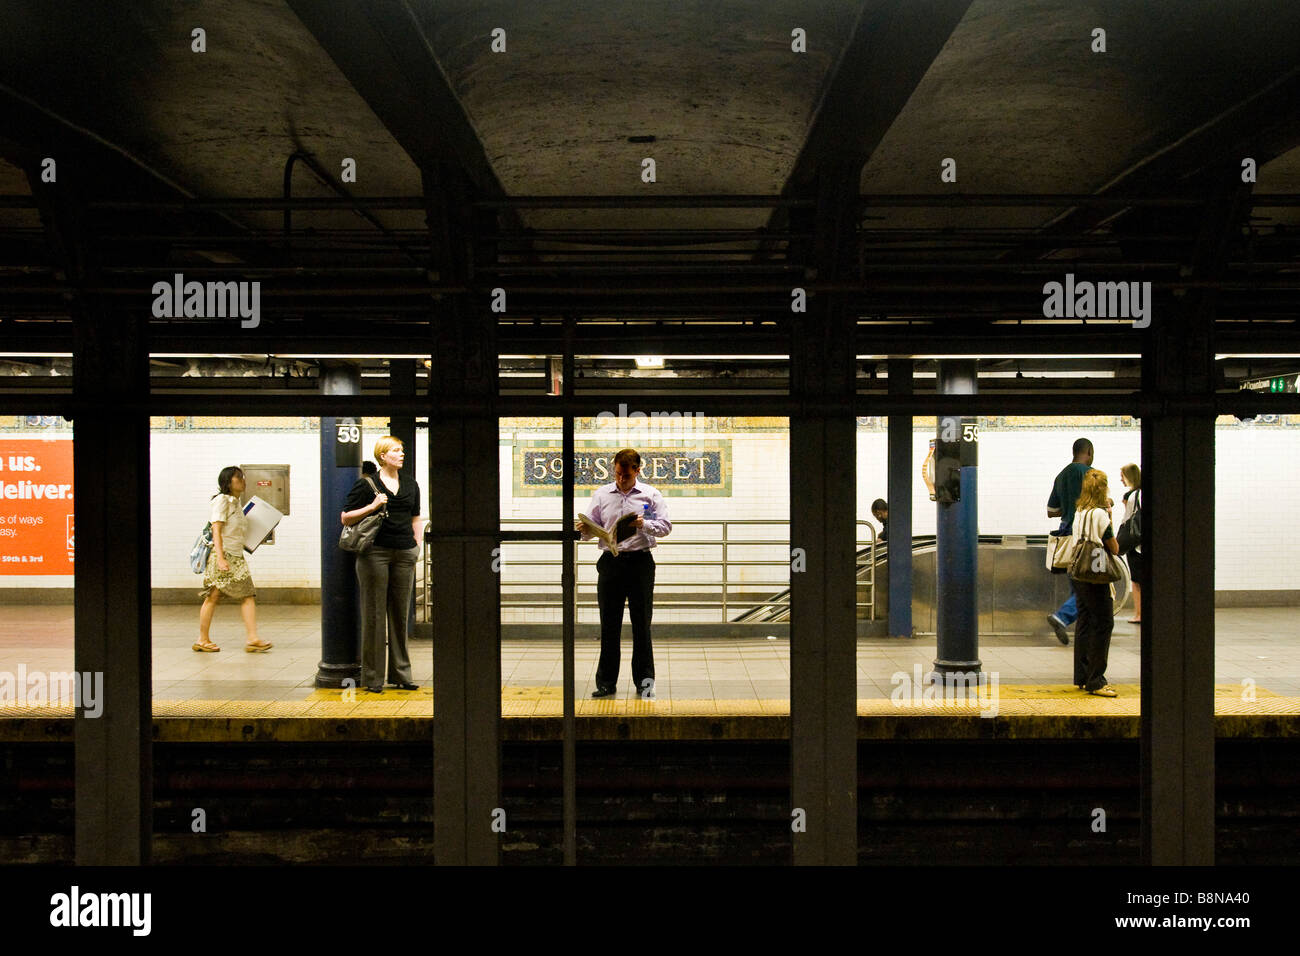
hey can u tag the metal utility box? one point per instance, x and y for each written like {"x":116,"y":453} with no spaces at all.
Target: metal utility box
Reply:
{"x":268,"y":482}
{"x":271,"y":484}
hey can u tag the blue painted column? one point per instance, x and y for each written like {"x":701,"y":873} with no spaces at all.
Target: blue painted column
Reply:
{"x":956,"y":460}
{"x":401,"y":384}
{"x":900,"y":505}
{"x":340,"y":467}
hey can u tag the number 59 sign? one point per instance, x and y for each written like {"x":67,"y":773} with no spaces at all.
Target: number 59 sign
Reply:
{"x":347,"y":443}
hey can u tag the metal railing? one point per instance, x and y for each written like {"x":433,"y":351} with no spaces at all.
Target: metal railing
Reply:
{"x":729,"y":595}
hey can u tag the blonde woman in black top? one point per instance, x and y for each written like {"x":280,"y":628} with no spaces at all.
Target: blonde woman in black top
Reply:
{"x":386,"y":573}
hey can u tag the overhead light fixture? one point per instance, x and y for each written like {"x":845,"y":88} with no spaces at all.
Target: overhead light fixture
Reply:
{"x":682,"y":357}
{"x":649,"y":361}
{"x":1010,"y":355}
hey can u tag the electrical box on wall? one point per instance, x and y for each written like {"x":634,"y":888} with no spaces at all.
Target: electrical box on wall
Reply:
{"x":271,"y":484}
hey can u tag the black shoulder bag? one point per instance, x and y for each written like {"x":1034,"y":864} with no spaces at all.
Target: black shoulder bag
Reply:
{"x":1129,"y":535}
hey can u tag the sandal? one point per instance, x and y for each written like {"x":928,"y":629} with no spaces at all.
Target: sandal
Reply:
{"x":258,"y":647}
{"x":206,"y":646}
{"x":1106,"y":691}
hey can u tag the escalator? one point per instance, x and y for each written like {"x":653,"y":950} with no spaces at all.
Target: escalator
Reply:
{"x":1015,"y":590}
{"x":777,"y":610}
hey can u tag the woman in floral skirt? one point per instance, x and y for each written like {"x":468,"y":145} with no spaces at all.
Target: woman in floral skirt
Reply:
{"x":227,"y":571}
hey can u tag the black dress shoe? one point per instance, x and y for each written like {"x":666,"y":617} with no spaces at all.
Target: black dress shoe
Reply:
{"x":603,"y":690}
{"x":406,"y":685}
{"x":376,"y":690}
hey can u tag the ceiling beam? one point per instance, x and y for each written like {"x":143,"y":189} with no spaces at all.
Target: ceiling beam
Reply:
{"x":891,"y":47}
{"x":1263,"y":126}
{"x":382,"y":50}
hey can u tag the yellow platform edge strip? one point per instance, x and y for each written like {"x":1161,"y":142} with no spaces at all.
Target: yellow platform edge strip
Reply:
{"x":1037,"y":711}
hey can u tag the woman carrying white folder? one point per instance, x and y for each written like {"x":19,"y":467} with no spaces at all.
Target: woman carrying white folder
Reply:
{"x":227,"y":571}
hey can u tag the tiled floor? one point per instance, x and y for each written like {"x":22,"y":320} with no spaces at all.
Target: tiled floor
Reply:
{"x":749,"y":674}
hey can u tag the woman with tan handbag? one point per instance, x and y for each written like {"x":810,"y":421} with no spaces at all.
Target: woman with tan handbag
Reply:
{"x":1093,"y":534}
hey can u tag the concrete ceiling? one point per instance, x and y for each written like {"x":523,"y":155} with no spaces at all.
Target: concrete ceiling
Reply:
{"x":1015,"y":96}
{"x":715,"y":83}
{"x":1022,"y":103}
{"x":1012,"y":92}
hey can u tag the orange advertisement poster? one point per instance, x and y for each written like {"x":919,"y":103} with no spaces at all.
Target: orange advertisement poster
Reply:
{"x":36,"y":532}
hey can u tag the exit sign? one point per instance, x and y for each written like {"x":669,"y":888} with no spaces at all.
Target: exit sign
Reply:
{"x":1279,"y":383}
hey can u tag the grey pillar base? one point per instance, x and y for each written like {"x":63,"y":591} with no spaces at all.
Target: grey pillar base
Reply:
{"x":943,"y":668}
{"x":333,"y":675}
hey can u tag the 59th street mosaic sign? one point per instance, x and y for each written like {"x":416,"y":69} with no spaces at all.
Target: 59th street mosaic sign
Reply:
{"x":702,"y":468}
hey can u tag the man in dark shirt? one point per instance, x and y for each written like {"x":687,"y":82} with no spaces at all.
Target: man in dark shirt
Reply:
{"x":880,"y":511}
{"x":1065,"y":493}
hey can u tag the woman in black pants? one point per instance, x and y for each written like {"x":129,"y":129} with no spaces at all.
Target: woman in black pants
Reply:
{"x":386,"y":573}
{"x":1096,"y":606}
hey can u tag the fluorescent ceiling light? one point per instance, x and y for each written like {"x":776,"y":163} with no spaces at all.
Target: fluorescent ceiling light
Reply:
{"x":693,"y":358}
{"x":1018,"y":355}
{"x":1056,"y":373}
{"x":312,"y":355}
{"x":281,"y":355}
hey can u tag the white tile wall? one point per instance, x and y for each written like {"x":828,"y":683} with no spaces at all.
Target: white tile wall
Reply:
{"x":1258,"y":498}
{"x":1256,"y":509}
{"x":183,"y":473}
{"x":183,"y":470}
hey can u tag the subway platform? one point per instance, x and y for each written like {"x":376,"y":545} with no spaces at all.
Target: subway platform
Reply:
{"x":712,"y":688}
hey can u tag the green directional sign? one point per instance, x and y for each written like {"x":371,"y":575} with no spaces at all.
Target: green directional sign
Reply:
{"x":1276,"y":384}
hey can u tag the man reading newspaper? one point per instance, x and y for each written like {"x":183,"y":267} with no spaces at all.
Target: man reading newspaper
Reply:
{"x":626,"y":570}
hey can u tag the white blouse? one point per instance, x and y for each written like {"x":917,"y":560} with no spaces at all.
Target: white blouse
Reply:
{"x":227,"y":510}
{"x":1089,"y":525}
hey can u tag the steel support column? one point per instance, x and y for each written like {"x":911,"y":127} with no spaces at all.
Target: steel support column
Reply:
{"x":1178,"y":610}
{"x":1178,"y":549}
{"x":957,"y":535}
{"x":113,"y":752}
{"x":464,"y":521}
{"x":340,"y":622}
{"x":569,"y":623}
{"x":900,"y":505}
{"x":401,"y":384}
{"x":823,"y":540}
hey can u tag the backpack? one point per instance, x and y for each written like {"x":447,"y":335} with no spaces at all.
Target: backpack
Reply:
{"x":202,"y":548}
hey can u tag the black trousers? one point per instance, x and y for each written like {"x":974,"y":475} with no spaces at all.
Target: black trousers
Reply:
{"x":1092,"y":634}
{"x":629,"y":577}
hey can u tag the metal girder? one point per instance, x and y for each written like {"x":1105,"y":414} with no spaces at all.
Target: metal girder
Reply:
{"x":823,"y":625}
{"x":891,"y":47}
{"x":103,"y":171}
{"x":1177,"y":644}
{"x":899,"y":340}
{"x":899,"y":466}
{"x":114,"y":751}
{"x":463,"y":478}
{"x":1263,"y":126}
{"x":382,"y":50}
{"x":259,"y":404}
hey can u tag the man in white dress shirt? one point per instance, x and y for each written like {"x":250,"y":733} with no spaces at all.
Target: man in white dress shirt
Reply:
{"x":629,"y":576}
